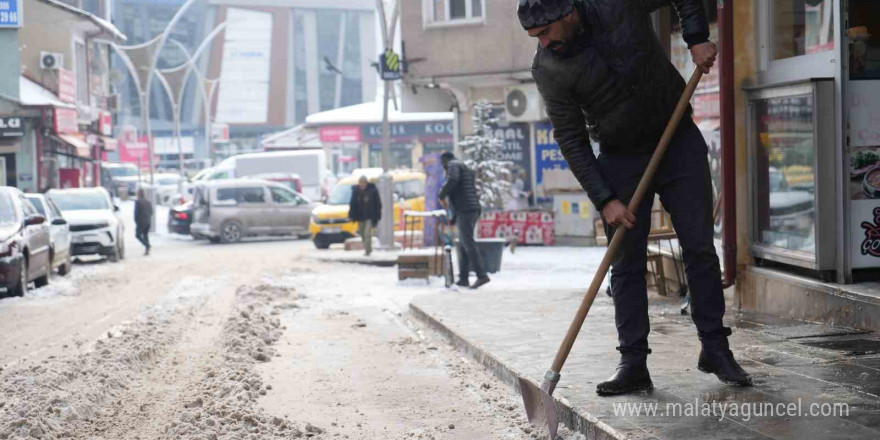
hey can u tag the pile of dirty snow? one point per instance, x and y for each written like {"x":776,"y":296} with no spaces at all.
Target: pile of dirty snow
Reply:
{"x":225,"y":404}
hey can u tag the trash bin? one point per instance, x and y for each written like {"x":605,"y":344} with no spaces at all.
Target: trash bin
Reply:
{"x":491,"y":250}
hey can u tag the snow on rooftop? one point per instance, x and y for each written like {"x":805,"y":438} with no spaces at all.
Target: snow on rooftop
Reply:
{"x":371,"y":113}
{"x":33,"y":94}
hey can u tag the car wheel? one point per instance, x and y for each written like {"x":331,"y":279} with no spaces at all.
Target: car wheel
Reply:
{"x":322,"y":244}
{"x":21,"y":288}
{"x":65,"y":267}
{"x":43,"y":281}
{"x":230,"y":232}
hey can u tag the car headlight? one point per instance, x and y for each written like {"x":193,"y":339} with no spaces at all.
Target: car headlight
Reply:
{"x":8,"y":247}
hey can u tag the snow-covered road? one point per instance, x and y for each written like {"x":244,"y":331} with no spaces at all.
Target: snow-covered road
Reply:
{"x":255,"y":340}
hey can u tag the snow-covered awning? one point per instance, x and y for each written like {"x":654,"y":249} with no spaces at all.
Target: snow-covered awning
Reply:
{"x":102,"y":24}
{"x":371,"y":113}
{"x":34,"y":95}
{"x":83,"y":149}
{"x":298,"y":137}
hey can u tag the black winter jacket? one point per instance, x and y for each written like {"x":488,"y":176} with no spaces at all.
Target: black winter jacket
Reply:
{"x":143,"y":213}
{"x":374,"y":206}
{"x":615,"y":84}
{"x":461,"y":187}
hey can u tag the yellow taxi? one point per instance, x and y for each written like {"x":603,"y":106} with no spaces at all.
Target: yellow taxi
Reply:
{"x":330,"y":223}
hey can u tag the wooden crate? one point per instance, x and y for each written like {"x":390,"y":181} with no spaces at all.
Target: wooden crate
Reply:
{"x":421,"y":265}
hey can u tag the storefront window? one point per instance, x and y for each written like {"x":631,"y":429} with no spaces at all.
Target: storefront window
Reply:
{"x":864,"y":39}
{"x":801,"y":27}
{"x":785,"y":185}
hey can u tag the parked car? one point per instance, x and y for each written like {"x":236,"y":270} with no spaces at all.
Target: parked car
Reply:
{"x":116,"y":175}
{"x":330,"y":223}
{"x":24,"y":243}
{"x":60,"y":254}
{"x":180,"y":218}
{"x":229,"y":210}
{"x":95,"y":224}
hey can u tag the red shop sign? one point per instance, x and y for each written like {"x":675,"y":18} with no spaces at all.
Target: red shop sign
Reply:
{"x":347,"y":133}
{"x":66,"y":121}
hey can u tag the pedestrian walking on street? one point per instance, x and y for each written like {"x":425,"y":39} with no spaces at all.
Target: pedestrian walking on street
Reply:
{"x":143,"y":219}
{"x":366,"y":209}
{"x":461,"y":189}
{"x":603,"y":75}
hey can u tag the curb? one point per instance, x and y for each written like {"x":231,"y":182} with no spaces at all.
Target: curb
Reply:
{"x":355,"y":260}
{"x":577,"y":420}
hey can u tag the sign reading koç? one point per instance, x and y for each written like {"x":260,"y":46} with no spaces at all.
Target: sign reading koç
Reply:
{"x":409,"y":131}
{"x":10,"y":14}
{"x":11,"y":126}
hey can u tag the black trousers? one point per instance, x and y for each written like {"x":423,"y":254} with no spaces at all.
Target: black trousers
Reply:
{"x":469,"y":257}
{"x":143,"y":235}
{"x":684,"y":184}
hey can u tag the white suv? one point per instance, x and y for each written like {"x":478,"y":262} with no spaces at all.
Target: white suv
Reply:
{"x":95,"y":225}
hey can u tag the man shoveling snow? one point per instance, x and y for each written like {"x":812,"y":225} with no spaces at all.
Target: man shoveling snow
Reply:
{"x":603,"y":75}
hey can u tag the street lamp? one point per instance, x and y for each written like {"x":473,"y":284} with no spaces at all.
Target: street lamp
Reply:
{"x":141,"y":63}
{"x":174,"y":79}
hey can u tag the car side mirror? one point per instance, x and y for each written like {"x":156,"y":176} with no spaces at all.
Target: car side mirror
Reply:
{"x":34,"y":220}
{"x":115,"y":208}
{"x":59,"y":222}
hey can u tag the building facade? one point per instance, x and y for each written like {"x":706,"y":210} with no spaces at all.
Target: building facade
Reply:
{"x":277,"y":61}
{"x":54,"y":96}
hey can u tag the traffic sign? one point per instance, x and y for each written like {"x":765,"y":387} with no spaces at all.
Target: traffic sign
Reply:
{"x":389,"y":64}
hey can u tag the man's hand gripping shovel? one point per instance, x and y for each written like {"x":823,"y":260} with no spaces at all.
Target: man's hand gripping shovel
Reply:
{"x":539,"y":403}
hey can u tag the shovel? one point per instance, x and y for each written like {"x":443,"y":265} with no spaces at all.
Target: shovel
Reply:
{"x":540,"y":406}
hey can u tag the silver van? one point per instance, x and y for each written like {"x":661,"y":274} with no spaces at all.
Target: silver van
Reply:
{"x":228,"y":210}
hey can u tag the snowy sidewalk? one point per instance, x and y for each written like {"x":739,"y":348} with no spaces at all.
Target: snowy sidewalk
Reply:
{"x":515,"y":324}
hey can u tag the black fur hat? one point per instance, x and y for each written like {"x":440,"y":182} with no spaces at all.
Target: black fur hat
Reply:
{"x":536,"y":13}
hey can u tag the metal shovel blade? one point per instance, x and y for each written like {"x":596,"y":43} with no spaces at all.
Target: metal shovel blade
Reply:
{"x":540,"y":408}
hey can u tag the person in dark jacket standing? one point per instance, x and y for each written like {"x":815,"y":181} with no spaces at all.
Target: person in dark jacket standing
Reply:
{"x":366,"y":209}
{"x":143,"y":219}
{"x":603,"y":75}
{"x":461,"y":188}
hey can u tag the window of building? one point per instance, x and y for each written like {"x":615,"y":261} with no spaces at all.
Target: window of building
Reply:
{"x":864,"y":39}
{"x":454,"y":11}
{"x":785,"y":183}
{"x":801,"y":27}
{"x":797,"y":39}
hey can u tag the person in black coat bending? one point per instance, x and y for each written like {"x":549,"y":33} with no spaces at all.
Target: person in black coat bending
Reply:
{"x":143,"y":219}
{"x":604,"y":76}
{"x":461,"y":189}
{"x":366,"y":209}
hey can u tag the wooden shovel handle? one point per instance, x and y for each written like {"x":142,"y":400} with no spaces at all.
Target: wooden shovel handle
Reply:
{"x":619,"y":234}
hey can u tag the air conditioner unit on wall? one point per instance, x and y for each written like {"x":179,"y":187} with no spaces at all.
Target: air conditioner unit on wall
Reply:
{"x":523,"y":103}
{"x":51,"y":60}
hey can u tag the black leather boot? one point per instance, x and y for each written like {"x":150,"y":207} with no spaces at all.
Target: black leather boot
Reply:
{"x":720,"y":362}
{"x":630,"y":376}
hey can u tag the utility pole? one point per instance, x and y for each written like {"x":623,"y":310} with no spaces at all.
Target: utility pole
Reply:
{"x":386,"y":183}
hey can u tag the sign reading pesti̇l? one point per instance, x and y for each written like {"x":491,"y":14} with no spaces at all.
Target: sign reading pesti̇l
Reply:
{"x":10,"y":14}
